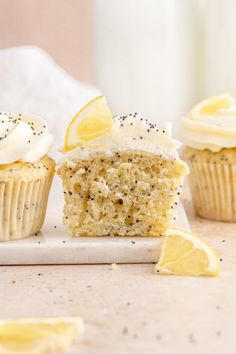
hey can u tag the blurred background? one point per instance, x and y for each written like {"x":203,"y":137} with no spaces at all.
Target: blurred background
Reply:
{"x":157,"y":57}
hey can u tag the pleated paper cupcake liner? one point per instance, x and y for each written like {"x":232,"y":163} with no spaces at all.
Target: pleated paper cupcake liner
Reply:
{"x":214,"y":190}
{"x":22,"y":207}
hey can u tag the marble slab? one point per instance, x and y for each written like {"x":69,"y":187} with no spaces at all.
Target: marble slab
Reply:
{"x":54,"y":246}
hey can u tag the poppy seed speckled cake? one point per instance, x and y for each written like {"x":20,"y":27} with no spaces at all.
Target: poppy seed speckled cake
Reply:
{"x":121,"y":175}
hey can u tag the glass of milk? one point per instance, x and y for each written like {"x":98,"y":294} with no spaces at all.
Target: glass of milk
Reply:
{"x":220,"y":47}
{"x":148,"y":56}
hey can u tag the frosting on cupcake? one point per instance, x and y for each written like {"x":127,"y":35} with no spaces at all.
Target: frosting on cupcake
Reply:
{"x":128,"y":133}
{"x":23,"y":138}
{"x":211,"y":131}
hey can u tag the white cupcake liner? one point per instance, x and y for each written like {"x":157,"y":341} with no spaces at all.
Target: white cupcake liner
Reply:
{"x":22,"y":207}
{"x":214,"y":190}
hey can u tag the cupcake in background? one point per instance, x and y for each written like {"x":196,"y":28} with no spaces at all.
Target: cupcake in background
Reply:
{"x":209,"y":134}
{"x":26,"y":174}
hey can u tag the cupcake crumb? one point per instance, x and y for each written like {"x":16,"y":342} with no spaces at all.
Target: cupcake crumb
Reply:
{"x":114,"y":266}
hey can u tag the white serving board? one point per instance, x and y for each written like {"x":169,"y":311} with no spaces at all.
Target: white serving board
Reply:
{"x":54,"y":246}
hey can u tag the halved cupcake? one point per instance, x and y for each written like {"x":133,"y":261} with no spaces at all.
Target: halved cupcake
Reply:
{"x":121,"y":175}
{"x":26,"y":174}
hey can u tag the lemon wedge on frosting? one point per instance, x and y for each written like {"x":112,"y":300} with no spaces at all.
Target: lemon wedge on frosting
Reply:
{"x":183,"y":253}
{"x":91,"y":121}
{"x":38,"y":336}
{"x":211,"y":106}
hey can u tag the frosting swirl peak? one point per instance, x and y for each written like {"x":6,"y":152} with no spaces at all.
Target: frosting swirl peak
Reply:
{"x":211,"y":124}
{"x":128,"y":133}
{"x":23,"y":138}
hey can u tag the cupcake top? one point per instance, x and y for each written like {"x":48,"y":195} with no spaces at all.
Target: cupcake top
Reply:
{"x":96,"y":133}
{"x":23,"y":138}
{"x":211,"y":124}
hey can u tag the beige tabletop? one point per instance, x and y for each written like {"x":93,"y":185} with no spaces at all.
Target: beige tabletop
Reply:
{"x":132,"y":310}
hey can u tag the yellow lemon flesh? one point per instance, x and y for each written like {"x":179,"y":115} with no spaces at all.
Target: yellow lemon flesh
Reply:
{"x":185,"y":254}
{"x":211,"y":106}
{"x":38,"y":336}
{"x":91,"y":121}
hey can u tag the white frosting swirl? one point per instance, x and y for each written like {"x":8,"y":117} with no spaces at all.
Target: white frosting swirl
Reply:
{"x":23,"y":138}
{"x":128,"y":133}
{"x":212,"y":132}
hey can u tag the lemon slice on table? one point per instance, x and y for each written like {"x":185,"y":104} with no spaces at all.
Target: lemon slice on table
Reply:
{"x":38,"y":336}
{"x":211,"y":106}
{"x":91,"y":121}
{"x":183,"y":253}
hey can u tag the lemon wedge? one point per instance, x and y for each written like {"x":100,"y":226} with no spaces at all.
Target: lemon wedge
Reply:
{"x":183,"y":253}
{"x":91,"y":121}
{"x":38,"y":336}
{"x":211,"y":106}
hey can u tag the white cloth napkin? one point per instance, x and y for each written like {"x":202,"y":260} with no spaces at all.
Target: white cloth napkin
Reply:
{"x":31,"y":82}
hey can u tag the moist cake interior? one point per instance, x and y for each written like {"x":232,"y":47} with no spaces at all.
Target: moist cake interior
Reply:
{"x":130,"y":193}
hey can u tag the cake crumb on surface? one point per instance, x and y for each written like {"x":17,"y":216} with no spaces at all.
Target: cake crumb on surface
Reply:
{"x":114,"y":266}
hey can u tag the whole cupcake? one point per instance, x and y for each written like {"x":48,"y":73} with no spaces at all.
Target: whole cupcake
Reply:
{"x":209,"y":133}
{"x":26,"y":174}
{"x":121,"y":175}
